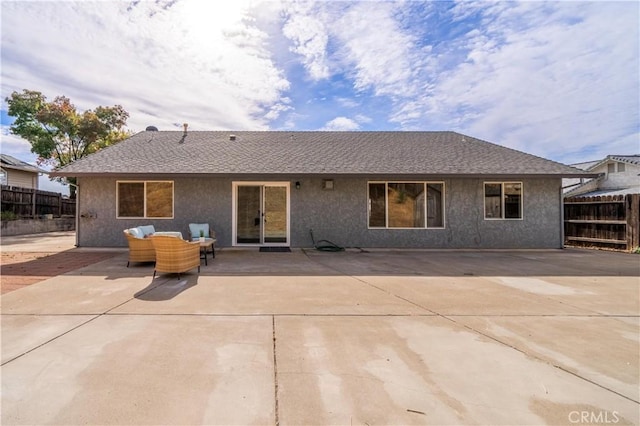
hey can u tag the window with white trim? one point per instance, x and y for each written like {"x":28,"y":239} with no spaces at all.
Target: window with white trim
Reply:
{"x":144,"y":199}
{"x":406,"y":204}
{"x":503,"y":200}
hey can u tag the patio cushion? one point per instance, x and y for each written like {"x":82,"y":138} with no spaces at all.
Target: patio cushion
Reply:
{"x":195,"y":228}
{"x":169,"y":234}
{"x":146,"y":230}
{"x":136,"y":232}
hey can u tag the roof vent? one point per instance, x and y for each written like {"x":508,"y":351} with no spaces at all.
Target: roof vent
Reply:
{"x":232,"y":137}
{"x":151,"y":129}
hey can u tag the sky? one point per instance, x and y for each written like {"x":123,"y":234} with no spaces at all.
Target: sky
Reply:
{"x":560,"y":80}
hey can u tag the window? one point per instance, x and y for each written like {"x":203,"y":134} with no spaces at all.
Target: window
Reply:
{"x":145,"y":199}
{"x":611,"y":168}
{"x":620,"y":167}
{"x":406,"y":204}
{"x":503,"y":200}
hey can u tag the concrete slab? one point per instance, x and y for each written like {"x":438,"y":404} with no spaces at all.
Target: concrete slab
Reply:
{"x":607,"y":295}
{"x":47,"y":242}
{"x":267,"y":295}
{"x":426,"y":370}
{"x":75,"y":295}
{"x":387,"y":337}
{"x":576,"y":344}
{"x":469,"y":296}
{"x":170,"y":370}
{"x":449,"y":263}
{"x":253,"y":262}
{"x":23,"y":333}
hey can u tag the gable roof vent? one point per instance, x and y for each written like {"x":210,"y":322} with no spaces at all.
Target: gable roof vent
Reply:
{"x":151,"y":129}
{"x":232,"y":137}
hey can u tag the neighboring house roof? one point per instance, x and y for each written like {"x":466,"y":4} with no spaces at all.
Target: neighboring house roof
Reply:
{"x":629,"y":159}
{"x":605,"y":192}
{"x":312,"y":153}
{"x":591,"y":188}
{"x":586,"y":165}
{"x":9,"y":162}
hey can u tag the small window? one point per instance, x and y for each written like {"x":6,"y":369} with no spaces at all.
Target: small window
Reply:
{"x":147,"y":199}
{"x":503,"y":200}
{"x":620,"y":167}
{"x":3,"y":177}
{"x":611,"y":168}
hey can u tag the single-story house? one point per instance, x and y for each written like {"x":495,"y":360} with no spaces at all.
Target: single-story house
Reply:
{"x":617,"y":175}
{"x":15,"y":172}
{"x":357,"y":189}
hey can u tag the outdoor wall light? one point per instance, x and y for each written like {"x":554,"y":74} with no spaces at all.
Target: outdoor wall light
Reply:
{"x":298,"y":185}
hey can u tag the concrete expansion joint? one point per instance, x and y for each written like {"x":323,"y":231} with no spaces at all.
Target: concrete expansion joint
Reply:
{"x":559,"y":367}
{"x":50,"y":340}
{"x":275,"y":372}
{"x":96,"y":316}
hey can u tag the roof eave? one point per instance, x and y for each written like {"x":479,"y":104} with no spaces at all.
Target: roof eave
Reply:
{"x":331,"y":174}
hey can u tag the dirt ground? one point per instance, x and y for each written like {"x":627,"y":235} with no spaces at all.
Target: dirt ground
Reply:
{"x":20,"y":269}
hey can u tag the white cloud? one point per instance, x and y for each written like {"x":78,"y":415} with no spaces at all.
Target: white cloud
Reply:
{"x":546,"y":78}
{"x":305,"y":27}
{"x":15,"y":146}
{"x":341,"y":124}
{"x":558,"y":79}
{"x":191,"y":61}
{"x":375,"y":49}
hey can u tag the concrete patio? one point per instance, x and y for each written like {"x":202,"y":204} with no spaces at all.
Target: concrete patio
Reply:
{"x":378,"y":337}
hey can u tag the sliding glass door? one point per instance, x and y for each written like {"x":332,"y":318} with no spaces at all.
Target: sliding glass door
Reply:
{"x":261,"y":213}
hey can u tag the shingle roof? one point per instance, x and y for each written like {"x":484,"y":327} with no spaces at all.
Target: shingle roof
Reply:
{"x":312,"y":153}
{"x":607,"y":192}
{"x":630,"y":159}
{"x":10,"y":162}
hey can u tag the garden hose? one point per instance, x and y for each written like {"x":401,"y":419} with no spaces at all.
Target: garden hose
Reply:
{"x":327,"y":246}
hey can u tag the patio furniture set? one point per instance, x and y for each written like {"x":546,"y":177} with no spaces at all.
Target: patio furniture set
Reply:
{"x":170,"y":252}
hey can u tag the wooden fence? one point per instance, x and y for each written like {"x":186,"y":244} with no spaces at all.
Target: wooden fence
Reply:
{"x":33,"y":203}
{"x":608,"y":221}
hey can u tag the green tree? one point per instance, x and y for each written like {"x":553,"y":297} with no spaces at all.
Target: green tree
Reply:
{"x":58,"y":133}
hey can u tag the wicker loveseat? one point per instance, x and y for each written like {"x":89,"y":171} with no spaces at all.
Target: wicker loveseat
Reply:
{"x":140,"y":248}
{"x":174,"y":255}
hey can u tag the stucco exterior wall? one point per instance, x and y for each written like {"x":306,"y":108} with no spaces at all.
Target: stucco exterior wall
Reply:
{"x":338,"y":215}
{"x":626,"y":179}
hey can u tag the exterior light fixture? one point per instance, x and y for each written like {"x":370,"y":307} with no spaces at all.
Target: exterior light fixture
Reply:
{"x":298,"y":185}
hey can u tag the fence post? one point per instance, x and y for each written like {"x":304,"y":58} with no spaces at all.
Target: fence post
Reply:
{"x":633,"y":221}
{"x":33,"y":203}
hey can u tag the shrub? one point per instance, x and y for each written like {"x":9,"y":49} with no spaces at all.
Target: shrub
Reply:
{"x":7,"y":215}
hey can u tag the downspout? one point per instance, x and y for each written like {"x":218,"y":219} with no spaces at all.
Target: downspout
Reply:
{"x":561,"y":217}
{"x":77,"y":211}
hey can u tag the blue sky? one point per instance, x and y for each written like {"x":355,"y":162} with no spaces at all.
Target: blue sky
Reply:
{"x":555,"y":79}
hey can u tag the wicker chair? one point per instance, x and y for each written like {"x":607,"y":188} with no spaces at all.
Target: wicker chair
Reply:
{"x":140,"y":249}
{"x":194,"y":234}
{"x":175,"y":255}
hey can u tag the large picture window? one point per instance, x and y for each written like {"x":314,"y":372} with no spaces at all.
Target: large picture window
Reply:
{"x":145,"y":199}
{"x":406,"y":204}
{"x":503,"y":200}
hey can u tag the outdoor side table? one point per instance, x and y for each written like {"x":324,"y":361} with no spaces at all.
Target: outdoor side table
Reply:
{"x":205,"y":246}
